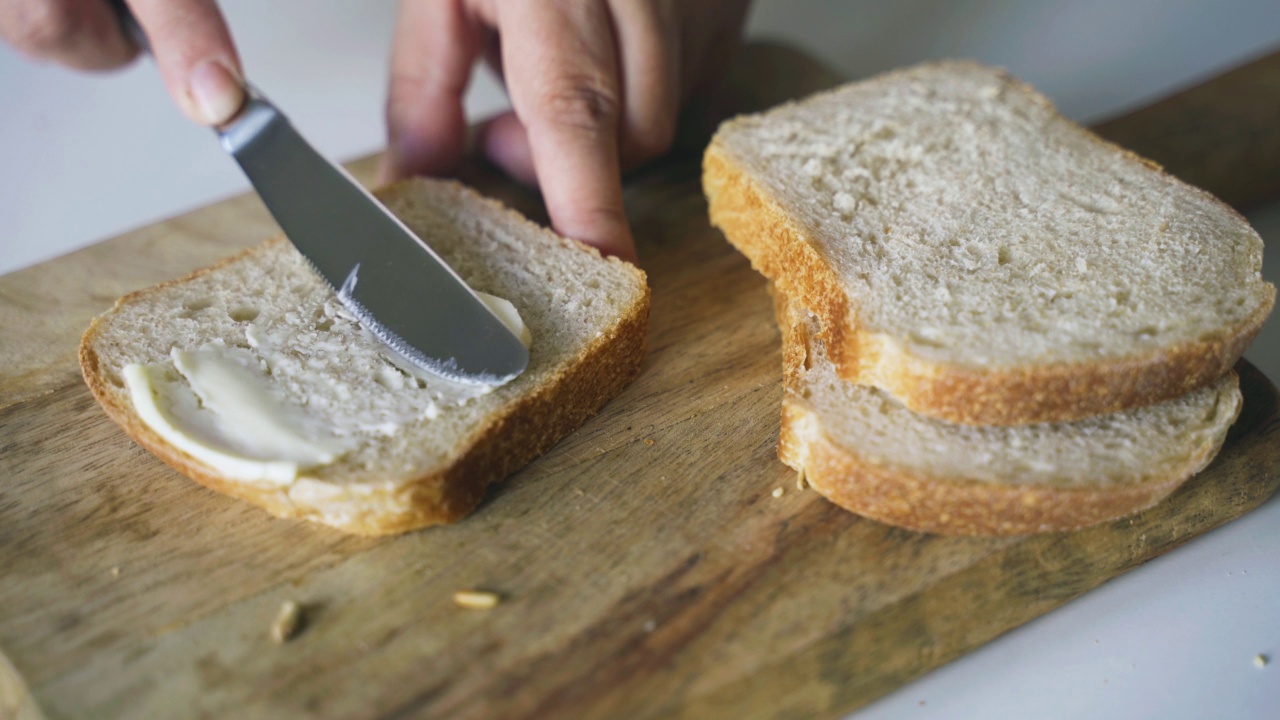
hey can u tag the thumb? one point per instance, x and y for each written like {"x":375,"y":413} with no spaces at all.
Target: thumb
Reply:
{"x":195,"y":56}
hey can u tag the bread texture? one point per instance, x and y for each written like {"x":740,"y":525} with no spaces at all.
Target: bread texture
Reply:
{"x":982,"y":259}
{"x":865,"y":451}
{"x":423,"y":451}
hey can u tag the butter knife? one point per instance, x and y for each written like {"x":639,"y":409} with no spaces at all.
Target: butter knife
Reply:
{"x":399,"y":289}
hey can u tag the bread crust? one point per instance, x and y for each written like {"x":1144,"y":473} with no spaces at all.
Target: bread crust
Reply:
{"x":958,"y":507}
{"x":780,"y":248}
{"x":511,"y":439}
{"x":949,"y":506}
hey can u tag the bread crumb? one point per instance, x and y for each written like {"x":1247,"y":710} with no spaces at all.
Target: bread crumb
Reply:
{"x":777,"y":492}
{"x":115,"y":571}
{"x":476,"y":599}
{"x":1261,"y":660}
{"x":648,"y":441}
{"x":288,"y":622}
{"x":650,"y":626}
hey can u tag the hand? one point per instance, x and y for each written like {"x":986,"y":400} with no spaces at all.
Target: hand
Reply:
{"x":189,"y":39}
{"x":595,"y":86}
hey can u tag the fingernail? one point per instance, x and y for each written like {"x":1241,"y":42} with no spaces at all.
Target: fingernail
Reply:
{"x":406,"y":155}
{"x":216,"y":93}
{"x":388,"y":171}
{"x":393,"y":161}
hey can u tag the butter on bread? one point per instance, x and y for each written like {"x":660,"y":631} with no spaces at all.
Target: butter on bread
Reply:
{"x":413,"y":453}
{"x":981,"y":258}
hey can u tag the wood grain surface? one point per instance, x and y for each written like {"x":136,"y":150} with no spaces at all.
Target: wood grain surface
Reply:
{"x":1220,"y":135}
{"x":644,"y":566}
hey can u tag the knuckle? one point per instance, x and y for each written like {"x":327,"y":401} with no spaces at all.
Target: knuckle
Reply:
{"x":602,"y":215}
{"x":44,"y":27}
{"x":402,"y":89}
{"x":581,"y":103}
{"x":425,"y":79}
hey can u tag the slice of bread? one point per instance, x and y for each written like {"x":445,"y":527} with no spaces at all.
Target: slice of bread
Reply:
{"x":981,"y":258}
{"x":418,"y":450}
{"x":865,"y":451}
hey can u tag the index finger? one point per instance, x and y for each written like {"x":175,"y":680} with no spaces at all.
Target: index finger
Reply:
{"x":562,"y":73}
{"x":434,"y":48}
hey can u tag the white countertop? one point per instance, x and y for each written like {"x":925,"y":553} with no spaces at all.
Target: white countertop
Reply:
{"x":84,"y":158}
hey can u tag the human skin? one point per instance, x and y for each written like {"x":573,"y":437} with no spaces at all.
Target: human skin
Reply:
{"x":596,"y":85}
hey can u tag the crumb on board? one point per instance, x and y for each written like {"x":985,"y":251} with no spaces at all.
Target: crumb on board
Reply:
{"x":650,"y":625}
{"x":777,"y":492}
{"x":476,"y":599}
{"x":115,"y":571}
{"x":287,"y":623}
{"x":648,"y":441}
{"x":1261,"y":660}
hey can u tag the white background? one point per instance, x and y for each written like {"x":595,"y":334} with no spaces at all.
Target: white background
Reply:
{"x":83,"y":158}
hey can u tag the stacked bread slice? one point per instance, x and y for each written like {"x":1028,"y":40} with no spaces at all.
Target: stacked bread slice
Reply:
{"x":993,"y":321}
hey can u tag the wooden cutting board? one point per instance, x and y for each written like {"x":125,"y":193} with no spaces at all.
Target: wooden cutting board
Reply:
{"x":645,"y":566}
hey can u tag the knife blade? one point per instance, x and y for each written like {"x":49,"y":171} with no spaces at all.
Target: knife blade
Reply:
{"x":391,"y":280}
{"x":397,"y":287}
